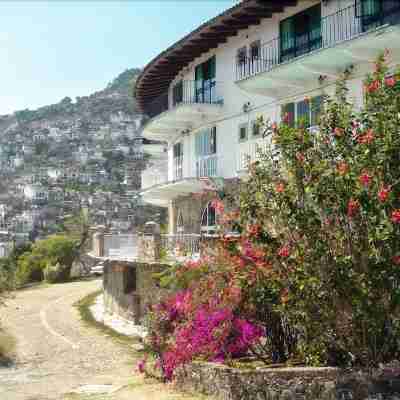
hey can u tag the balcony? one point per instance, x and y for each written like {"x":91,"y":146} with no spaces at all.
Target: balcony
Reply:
{"x":187,"y":106}
{"x":248,"y":153}
{"x":206,"y":169}
{"x":156,"y":174}
{"x":343,"y":39}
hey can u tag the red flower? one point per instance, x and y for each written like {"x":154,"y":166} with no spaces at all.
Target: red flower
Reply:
{"x":254,"y":230}
{"x":396,"y":260}
{"x":343,"y":168}
{"x":368,"y":138}
{"x":338,"y":132}
{"x":396,"y":216}
{"x":300,"y":157}
{"x":353,"y":207}
{"x":383,"y":193}
{"x":284,"y":252}
{"x":390,"y":81}
{"x":280,"y":187}
{"x":365,"y":179}
{"x":373,"y":86}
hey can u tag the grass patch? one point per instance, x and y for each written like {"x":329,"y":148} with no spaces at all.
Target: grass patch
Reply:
{"x":7,"y":348}
{"x":84,"y":305}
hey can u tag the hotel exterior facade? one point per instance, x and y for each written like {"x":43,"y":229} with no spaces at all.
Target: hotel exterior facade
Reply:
{"x":202,"y":95}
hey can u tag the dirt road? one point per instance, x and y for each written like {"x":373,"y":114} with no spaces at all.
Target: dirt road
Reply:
{"x":57,"y":354}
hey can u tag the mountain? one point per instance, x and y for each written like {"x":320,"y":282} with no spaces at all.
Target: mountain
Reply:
{"x":73,"y":154}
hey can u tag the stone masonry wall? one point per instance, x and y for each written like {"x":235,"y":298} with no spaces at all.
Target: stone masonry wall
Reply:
{"x":227,"y":383}
{"x":129,"y":288}
{"x":191,"y":208}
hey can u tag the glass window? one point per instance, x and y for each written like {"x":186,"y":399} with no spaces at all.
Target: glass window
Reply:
{"x":206,"y":142}
{"x":180,"y":228}
{"x":177,"y":93}
{"x":287,"y":114}
{"x":242,"y":55}
{"x":255,"y":49}
{"x":242,"y":133}
{"x":303,"y":113}
{"x":256,"y":128}
{"x":301,"y":33}
{"x":208,"y":219}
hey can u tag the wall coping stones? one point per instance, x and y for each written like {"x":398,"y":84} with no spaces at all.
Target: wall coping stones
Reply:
{"x":291,"y":383}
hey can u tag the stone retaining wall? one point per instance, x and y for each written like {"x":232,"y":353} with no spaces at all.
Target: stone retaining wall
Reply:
{"x":227,"y":383}
{"x":129,"y":288}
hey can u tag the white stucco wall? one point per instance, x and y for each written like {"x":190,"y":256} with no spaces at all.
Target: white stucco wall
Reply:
{"x":228,"y":146}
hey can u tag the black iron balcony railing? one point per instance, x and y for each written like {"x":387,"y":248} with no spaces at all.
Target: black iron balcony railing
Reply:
{"x":346,"y":24}
{"x":185,"y":92}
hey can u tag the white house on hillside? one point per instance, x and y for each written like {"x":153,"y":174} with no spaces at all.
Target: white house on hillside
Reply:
{"x":203,"y":94}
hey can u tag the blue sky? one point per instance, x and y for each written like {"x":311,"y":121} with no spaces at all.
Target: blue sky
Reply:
{"x":52,"y":49}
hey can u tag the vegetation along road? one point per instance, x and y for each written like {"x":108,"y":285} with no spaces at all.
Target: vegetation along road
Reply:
{"x":57,"y":354}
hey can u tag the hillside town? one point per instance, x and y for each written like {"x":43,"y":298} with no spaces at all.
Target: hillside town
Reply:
{"x":72,"y":158}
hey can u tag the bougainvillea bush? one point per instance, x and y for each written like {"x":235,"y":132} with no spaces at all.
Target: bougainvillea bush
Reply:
{"x":314,"y":272}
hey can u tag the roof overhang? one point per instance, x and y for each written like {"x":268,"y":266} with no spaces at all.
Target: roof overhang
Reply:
{"x":158,"y":74}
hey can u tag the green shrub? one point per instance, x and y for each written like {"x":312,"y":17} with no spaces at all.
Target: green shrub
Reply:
{"x":50,"y":258}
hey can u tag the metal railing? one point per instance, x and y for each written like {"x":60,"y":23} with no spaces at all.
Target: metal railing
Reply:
{"x":345,"y":24}
{"x":178,"y":168}
{"x":181,"y":244}
{"x":207,"y":166}
{"x":156,"y":174}
{"x":185,"y":92}
{"x":249,"y":152}
{"x":120,"y":246}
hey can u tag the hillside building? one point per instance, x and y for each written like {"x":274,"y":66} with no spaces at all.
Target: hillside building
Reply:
{"x":202,"y":95}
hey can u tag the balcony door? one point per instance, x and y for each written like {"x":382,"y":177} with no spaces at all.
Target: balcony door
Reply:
{"x":301,"y":33}
{"x":178,"y":161}
{"x":374,"y":13}
{"x":206,"y":153}
{"x":205,"y":82}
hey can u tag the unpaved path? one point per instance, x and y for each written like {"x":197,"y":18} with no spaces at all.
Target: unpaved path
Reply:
{"x":57,"y":353}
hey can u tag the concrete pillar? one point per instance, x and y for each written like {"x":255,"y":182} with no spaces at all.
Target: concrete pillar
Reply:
{"x":98,"y":244}
{"x":171,"y":218}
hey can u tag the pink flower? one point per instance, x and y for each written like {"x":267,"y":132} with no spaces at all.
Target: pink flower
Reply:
{"x":383,"y":193}
{"x":368,"y":138}
{"x":390,"y":81}
{"x":353,"y":207}
{"x":365,"y":179}
{"x":300,"y":157}
{"x":254,"y":230}
{"x":141,"y":366}
{"x":396,"y":216}
{"x":218,"y":206}
{"x":284,"y":252}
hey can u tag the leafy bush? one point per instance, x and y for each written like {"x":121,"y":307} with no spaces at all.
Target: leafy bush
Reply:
{"x":45,"y":254}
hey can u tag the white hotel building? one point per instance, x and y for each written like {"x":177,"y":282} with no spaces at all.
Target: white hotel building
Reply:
{"x":260,"y":57}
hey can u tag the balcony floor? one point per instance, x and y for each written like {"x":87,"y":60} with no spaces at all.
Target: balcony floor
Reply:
{"x":161,"y":194}
{"x":182,"y":117}
{"x":301,"y":73}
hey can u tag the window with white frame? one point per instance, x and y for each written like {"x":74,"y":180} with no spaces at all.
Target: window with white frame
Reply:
{"x":180,"y":228}
{"x":243,"y":132}
{"x":206,"y":150}
{"x":208,"y":219}
{"x":306,"y":112}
